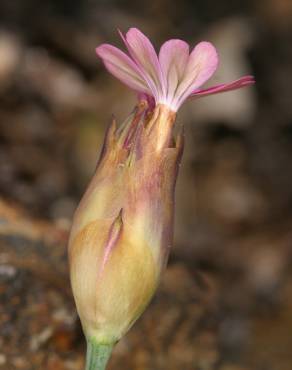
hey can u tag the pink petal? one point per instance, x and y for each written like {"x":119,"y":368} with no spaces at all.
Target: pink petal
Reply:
{"x":122,"y":67}
{"x":173,"y":58}
{"x":143,"y":53}
{"x":203,"y":62}
{"x":237,"y":84}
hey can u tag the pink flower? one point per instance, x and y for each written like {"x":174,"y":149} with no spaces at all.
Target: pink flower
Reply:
{"x":172,"y":76}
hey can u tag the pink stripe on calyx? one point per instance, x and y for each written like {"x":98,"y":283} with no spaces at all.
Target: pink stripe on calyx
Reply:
{"x":113,"y":237}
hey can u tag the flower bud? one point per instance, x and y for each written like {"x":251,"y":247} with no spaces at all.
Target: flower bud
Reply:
{"x":122,"y":229}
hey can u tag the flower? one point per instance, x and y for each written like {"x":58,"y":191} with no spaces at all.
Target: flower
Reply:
{"x":122,"y":230}
{"x":172,"y":76}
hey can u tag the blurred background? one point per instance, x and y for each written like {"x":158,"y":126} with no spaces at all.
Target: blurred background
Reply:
{"x":225,"y":301}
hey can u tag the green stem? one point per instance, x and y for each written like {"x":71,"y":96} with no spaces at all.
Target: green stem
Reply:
{"x":97,"y":355}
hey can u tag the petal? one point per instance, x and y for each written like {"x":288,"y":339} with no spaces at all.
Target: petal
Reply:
{"x":237,"y":84}
{"x":203,"y":62}
{"x":122,"y":67}
{"x":143,"y":53}
{"x":173,"y":58}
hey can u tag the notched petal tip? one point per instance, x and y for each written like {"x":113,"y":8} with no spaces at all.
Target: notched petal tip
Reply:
{"x":202,"y":63}
{"x":205,"y":54}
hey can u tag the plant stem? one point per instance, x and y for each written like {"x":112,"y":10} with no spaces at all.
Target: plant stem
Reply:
{"x":97,"y":355}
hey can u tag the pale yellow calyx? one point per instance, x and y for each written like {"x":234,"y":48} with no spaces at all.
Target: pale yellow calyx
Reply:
{"x":109,"y":302}
{"x":122,"y":229}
